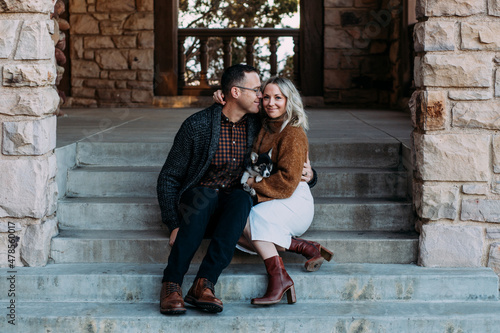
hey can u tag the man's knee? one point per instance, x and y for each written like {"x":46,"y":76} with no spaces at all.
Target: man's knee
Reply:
{"x":239,"y":208}
{"x":199,"y":197}
{"x":198,"y":202}
{"x":243,"y":198}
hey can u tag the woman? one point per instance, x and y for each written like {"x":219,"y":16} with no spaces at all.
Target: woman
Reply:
{"x":286,"y":206}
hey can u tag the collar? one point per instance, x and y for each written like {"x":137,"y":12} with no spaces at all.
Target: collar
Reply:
{"x":225,"y":119}
{"x":273,"y":124}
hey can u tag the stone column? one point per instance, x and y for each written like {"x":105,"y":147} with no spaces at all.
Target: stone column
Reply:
{"x":28,"y":105}
{"x":456,"y":145}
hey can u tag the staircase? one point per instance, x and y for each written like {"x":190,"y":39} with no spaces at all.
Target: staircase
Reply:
{"x":107,"y":261}
{"x":110,"y":212}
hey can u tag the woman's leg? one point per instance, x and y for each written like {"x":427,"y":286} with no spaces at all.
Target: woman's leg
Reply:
{"x":246,"y":238}
{"x":280,"y":249}
{"x":265,"y":249}
{"x":246,"y":242}
{"x":279,"y":282}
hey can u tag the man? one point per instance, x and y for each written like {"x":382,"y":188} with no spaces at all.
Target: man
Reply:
{"x":198,"y":189}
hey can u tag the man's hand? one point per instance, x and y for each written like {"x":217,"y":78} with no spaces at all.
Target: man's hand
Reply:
{"x":250,"y":181}
{"x":218,"y":97}
{"x":173,"y":236}
{"x":307,"y":173}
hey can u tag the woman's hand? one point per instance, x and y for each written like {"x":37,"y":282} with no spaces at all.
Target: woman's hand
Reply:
{"x":173,"y":236}
{"x":218,"y":97}
{"x":307,"y":173}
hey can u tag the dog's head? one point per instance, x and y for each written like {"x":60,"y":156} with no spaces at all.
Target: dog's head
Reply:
{"x":262,"y":163}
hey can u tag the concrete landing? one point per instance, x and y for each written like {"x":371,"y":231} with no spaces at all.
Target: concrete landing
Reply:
{"x":160,"y":124}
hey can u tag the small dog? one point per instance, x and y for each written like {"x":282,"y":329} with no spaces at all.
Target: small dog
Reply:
{"x":260,"y":167}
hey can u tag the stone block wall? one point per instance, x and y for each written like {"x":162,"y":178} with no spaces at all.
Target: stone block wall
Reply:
{"x":456,"y":141}
{"x":362,"y":51}
{"x":28,"y":104}
{"x":112,"y":52}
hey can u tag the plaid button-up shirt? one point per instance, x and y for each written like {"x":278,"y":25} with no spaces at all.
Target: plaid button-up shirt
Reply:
{"x":226,"y":168}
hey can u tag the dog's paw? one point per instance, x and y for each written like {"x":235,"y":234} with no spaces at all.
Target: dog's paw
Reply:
{"x":250,"y":190}
{"x":258,"y":178}
{"x":245,"y":177}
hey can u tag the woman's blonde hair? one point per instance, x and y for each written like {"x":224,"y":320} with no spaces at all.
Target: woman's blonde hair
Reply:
{"x":295,"y":113}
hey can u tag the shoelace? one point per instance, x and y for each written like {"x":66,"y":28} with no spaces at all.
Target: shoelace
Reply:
{"x":173,"y":287}
{"x":209,"y":285}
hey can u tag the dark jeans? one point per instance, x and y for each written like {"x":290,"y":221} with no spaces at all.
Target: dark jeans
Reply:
{"x":206,"y":212}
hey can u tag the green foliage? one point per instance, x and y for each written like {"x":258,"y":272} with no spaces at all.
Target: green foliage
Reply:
{"x":230,"y":14}
{"x":287,"y":70}
{"x":235,"y":13}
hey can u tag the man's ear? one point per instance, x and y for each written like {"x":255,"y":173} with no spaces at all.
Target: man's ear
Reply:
{"x":254,"y":157}
{"x":235,"y":92}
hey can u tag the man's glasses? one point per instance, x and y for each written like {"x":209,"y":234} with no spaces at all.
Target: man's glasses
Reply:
{"x":255,"y":90}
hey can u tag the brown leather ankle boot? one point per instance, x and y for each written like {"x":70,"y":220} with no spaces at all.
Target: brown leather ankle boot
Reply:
{"x":201,"y":294}
{"x":171,"y":299}
{"x":314,"y":253}
{"x":279,"y":283}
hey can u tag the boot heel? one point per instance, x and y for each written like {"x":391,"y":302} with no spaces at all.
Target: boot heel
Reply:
{"x":327,"y":254}
{"x":314,"y":264}
{"x":290,"y":295}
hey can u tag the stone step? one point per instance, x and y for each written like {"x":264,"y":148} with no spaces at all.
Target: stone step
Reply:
{"x":360,"y":183}
{"x":109,"y":213}
{"x":112,"y":181}
{"x":354,"y":154}
{"x":377,"y":317}
{"x":151,"y":246}
{"x":121,"y":213}
{"x":241,"y":282}
{"x":329,"y":154}
{"x":141,"y":182}
{"x":122,"y":153}
{"x":363,"y":214}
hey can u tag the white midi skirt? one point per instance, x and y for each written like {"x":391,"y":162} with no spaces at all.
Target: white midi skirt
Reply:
{"x":278,"y":220}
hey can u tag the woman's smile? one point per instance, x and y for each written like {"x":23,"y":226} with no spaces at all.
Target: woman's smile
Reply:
{"x":273,"y":101}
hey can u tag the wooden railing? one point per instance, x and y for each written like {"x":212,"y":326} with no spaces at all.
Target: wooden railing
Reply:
{"x":203,"y":34}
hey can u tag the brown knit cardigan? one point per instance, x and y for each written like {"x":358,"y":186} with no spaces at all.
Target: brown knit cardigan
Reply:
{"x":289,"y":154}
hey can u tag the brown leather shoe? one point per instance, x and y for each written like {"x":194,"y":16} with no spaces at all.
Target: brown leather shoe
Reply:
{"x":171,"y":301}
{"x":202,"y":296}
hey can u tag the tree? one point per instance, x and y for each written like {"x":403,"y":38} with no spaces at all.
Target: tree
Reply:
{"x":231,"y":14}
